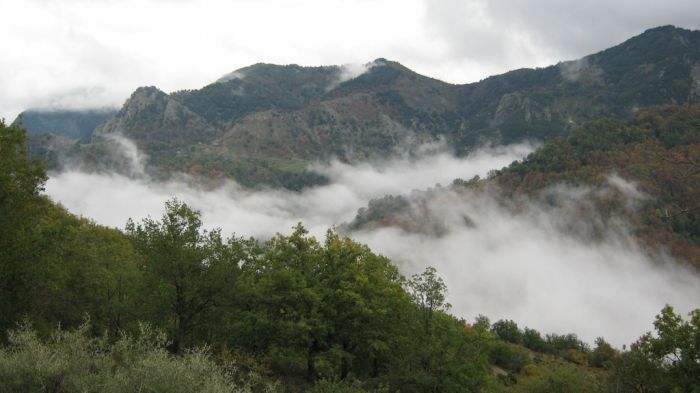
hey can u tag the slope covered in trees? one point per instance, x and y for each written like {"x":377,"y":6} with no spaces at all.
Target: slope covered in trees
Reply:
{"x":651,"y":160}
{"x":291,"y":313}
{"x":659,"y":151}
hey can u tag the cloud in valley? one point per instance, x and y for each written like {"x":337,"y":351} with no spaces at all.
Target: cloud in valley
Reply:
{"x":556,"y":266}
{"x":111,"y":198}
{"x":539,"y":264}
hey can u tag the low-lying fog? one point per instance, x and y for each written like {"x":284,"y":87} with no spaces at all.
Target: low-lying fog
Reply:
{"x":507,"y":265}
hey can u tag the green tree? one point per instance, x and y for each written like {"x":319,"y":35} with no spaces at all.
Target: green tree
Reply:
{"x":364,"y":303}
{"x":603,"y":354}
{"x":21,"y":179}
{"x":508,"y":330}
{"x":21,"y":208}
{"x":532,"y":339}
{"x":328,"y":310}
{"x":429,"y":292}
{"x":668,"y":361}
{"x":278,"y":311}
{"x":186,"y":269}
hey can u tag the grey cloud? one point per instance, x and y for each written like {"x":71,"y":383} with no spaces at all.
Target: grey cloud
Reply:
{"x":231,"y":76}
{"x":580,"y":69}
{"x":351,"y":71}
{"x":512,"y":33}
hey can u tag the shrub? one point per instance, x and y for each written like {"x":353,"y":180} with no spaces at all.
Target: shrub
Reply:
{"x":508,"y":357}
{"x":71,"y":361}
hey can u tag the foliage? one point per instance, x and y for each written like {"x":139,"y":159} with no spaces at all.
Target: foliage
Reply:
{"x":508,"y":330}
{"x":73,"y":361}
{"x":428,"y":292}
{"x":185,"y":269}
{"x":603,"y":355}
{"x":329,"y":316}
{"x":559,"y":378}
{"x":21,"y":180}
{"x":55,"y":267}
{"x":658,"y":151}
{"x":326,"y":386}
{"x":532,"y":339}
{"x":509,"y":357}
{"x":668,"y":361}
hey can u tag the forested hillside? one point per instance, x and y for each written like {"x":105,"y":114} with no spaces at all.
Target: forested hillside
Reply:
{"x":289,"y":314}
{"x":265,"y":123}
{"x":658,"y":152}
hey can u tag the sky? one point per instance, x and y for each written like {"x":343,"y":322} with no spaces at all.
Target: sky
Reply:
{"x":67,"y":54}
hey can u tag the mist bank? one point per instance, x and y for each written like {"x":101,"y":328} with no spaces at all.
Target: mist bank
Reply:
{"x":110,"y":198}
{"x":519,"y":264}
{"x":550,"y":262}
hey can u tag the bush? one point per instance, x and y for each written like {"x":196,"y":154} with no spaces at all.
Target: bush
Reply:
{"x":559,"y":378}
{"x":353,"y":386}
{"x":576,"y":356}
{"x":508,"y":357}
{"x":534,"y":341}
{"x":70,"y":361}
{"x":603,"y":355}
{"x":508,"y":330}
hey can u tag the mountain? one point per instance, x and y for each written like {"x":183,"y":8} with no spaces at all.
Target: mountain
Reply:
{"x":265,"y":123}
{"x":55,"y":134}
{"x":644,"y":173}
{"x":71,"y":124}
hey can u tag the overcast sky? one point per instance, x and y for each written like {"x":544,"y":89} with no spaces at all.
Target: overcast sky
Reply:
{"x":92,"y":53}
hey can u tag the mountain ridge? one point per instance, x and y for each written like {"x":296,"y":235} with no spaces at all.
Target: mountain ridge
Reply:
{"x":262,"y":124}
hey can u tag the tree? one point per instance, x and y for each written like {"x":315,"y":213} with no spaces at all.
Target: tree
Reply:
{"x":364,"y":303}
{"x":532,"y":339}
{"x":507,"y":330}
{"x":328,"y":309}
{"x":54,"y":267}
{"x":185,"y":269}
{"x":21,"y":209}
{"x":603,"y":354}
{"x":668,"y":361}
{"x":428,"y":292}
{"x":482,"y":324}
{"x":21,"y":179}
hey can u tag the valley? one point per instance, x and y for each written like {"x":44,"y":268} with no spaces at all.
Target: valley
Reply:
{"x":363,"y":228}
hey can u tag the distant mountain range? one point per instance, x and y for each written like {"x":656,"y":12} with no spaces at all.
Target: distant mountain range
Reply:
{"x":70,"y":124}
{"x":265,"y":123}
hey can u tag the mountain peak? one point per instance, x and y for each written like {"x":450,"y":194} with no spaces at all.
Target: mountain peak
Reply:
{"x":666,"y":29}
{"x":147,"y":91}
{"x":667,"y":34}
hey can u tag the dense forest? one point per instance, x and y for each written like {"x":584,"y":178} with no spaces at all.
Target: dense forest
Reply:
{"x":167,"y":306}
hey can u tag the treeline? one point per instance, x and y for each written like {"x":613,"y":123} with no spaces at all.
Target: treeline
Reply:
{"x":81,"y":308}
